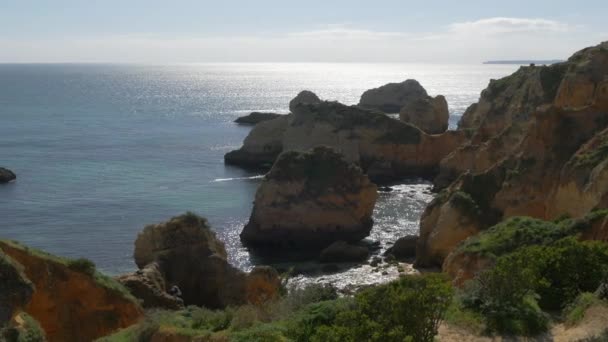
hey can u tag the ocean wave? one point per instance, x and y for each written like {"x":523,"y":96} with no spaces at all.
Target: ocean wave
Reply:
{"x":238,"y":178}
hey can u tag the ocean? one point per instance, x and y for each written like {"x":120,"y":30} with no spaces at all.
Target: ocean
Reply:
{"x":100,"y":151}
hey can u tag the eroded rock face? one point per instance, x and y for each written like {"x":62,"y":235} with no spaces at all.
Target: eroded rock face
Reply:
{"x":15,"y":289}
{"x":69,"y":303}
{"x":309,"y":200}
{"x":149,"y":286}
{"x":385,"y":148}
{"x":256,"y":117}
{"x":304,"y":97}
{"x":553,"y":165}
{"x":431,"y":115}
{"x":6,"y":175}
{"x":390,"y":98}
{"x":187,"y":254}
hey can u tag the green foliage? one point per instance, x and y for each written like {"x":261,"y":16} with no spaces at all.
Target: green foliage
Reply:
{"x":465,"y":203}
{"x":575,"y":311}
{"x":29,"y":331}
{"x":313,"y":293}
{"x":551,"y":77}
{"x":82,"y":265}
{"x":594,"y":156}
{"x":410,"y":308}
{"x":261,"y":333}
{"x":465,"y":318}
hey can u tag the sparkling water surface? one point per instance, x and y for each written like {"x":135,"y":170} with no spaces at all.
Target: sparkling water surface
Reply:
{"x":102,"y":150}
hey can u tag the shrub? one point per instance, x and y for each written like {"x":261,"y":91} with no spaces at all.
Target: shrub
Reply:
{"x":303,"y":325}
{"x":410,"y":308}
{"x":575,"y":311}
{"x":260,"y":333}
{"x":82,"y":265}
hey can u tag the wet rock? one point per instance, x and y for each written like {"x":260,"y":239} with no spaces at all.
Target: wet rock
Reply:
{"x":341,"y":251}
{"x":256,"y":117}
{"x":6,"y":175}
{"x":404,"y":248}
{"x":309,"y":200}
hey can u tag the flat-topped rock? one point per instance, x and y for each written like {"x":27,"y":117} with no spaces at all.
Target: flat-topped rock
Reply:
{"x":390,"y":98}
{"x":309,"y":200}
{"x":6,"y":175}
{"x":256,"y":117}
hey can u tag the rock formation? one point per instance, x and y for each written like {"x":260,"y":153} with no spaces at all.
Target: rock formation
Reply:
{"x":304,"y":97}
{"x":547,"y":163}
{"x":256,"y":117}
{"x":70,"y":300}
{"x":185,"y":252}
{"x":15,"y":289}
{"x":385,"y":148}
{"x":6,"y":175}
{"x":309,"y":200}
{"x":429,"y":114}
{"x":390,"y":98}
{"x":404,"y":248}
{"x":341,"y":251}
{"x":149,"y":286}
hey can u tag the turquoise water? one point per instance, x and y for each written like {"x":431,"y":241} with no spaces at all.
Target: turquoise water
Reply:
{"x":102,"y":150}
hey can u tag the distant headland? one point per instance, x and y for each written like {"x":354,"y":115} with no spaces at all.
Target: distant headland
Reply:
{"x":525,"y":61}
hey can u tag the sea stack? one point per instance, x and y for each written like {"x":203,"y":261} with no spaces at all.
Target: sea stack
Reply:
{"x":309,"y":200}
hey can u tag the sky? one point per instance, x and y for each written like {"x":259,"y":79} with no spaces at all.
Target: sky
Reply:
{"x":189,"y":31}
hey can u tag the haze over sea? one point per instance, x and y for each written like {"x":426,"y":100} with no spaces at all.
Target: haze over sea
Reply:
{"x":102,"y":150}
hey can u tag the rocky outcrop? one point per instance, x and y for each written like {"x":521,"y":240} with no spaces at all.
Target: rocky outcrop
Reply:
{"x":390,"y":98}
{"x":385,"y":148}
{"x":304,"y":97}
{"x":556,"y":168}
{"x":185,"y":252}
{"x":6,"y":175}
{"x":70,"y":300}
{"x":403,"y":248}
{"x":429,"y":114}
{"x":309,"y":200}
{"x":149,"y":286}
{"x":15,"y":289}
{"x":256,"y":117}
{"x":341,"y":251}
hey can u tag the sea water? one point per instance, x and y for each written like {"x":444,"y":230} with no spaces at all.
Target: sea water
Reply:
{"x":100,"y":151}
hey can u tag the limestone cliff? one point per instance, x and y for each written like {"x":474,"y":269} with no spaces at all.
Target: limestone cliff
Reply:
{"x":390,"y":98}
{"x":385,"y":148}
{"x":429,"y":114}
{"x":309,"y":200}
{"x":556,"y":168}
{"x":71,"y":301}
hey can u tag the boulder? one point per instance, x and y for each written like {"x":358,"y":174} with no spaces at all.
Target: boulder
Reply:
{"x":6,"y":175}
{"x":309,"y":200}
{"x":189,"y":255}
{"x":390,"y":98}
{"x":341,"y":251}
{"x":404,"y":248}
{"x":431,"y":115}
{"x":148,"y":285}
{"x":256,"y":117}
{"x":387,"y":149}
{"x":70,"y":300}
{"x":304,"y":97}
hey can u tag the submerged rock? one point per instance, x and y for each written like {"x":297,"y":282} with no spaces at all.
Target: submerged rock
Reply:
{"x":429,"y":114}
{"x":6,"y":175}
{"x":341,"y":251}
{"x":70,"y":300}
{"x":309,"y":200}
{"x":256,"y":117}
{"x":390,"y":98}
{"x":190,"y":256}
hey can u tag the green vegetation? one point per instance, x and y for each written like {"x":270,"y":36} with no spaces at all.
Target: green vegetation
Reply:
{"x":465,"y":203}
{"x":593,"y":156}
{"x":82,"y":265}
{"x":575,"y":311}
{"x":551,"y":77}
{"x":409,"y":309}
{"x":28,"y":331}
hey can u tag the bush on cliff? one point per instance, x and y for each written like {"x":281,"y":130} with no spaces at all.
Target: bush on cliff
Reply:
{"x":511,"y":294}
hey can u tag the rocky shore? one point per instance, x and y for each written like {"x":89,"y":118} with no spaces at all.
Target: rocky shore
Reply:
{"x":518,"y":227}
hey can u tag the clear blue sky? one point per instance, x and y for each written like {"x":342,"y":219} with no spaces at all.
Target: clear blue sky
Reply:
{"x":272,"y":30}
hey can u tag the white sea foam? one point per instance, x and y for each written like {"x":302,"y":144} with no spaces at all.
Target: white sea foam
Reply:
{"x":238,"y":178}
